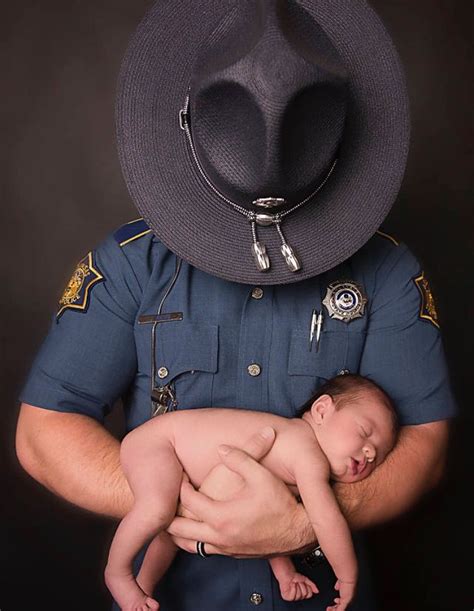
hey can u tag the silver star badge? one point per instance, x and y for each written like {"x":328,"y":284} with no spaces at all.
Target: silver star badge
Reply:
{"x":345,"y":300}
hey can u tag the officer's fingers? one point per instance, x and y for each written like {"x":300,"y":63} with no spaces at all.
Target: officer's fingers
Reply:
{"x":185,"y":513}
{"x":190,"y":529}
{"x":260,"y":443}
{"x":186,"y":545}
{"x":197,"y":503}
{"x":190,"y":546}
{"x":240,"y":462}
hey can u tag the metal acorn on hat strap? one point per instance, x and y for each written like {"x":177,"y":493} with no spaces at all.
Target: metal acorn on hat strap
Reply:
{"x":286,"y":250}
{"x":259,"y":249}
{"x":259,"y":252}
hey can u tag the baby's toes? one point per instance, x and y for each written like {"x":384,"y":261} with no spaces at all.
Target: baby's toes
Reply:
{"x":151,"y":604}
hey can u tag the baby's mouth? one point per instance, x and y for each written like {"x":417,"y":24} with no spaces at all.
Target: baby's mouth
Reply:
{"x":357,"y":466}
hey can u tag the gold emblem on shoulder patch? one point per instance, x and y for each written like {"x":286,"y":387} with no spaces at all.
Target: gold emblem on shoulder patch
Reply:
{"x":428,"y":307}
{"x":76,"y":294}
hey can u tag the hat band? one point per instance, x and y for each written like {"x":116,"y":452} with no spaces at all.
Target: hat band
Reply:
{"x":259,"y":251}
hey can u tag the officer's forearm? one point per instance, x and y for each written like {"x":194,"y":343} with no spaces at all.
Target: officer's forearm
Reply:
{"x":413,"y":468}
{"x":75,"y":457}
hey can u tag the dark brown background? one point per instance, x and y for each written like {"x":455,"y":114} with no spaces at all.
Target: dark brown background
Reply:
{"x":62,"y":193}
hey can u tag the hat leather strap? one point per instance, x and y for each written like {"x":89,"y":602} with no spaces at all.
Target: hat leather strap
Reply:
{"x":259,"y":250}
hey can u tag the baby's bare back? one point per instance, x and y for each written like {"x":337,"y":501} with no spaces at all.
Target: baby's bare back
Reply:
{"x":197,"y":433}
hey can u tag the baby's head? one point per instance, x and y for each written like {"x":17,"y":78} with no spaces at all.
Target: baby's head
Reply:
{"x":355,"y":424}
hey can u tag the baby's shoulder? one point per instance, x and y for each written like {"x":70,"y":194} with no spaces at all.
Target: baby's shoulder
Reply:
{"x":300,"y":447}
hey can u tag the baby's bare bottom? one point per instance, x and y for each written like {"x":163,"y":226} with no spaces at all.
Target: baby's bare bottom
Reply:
{"x":154,"y":475}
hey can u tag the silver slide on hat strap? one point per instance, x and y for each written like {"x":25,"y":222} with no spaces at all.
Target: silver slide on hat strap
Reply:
{"x":259,"y":250}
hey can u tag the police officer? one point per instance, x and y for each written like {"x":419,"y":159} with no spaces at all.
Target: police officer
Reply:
{"x":263,"y":143}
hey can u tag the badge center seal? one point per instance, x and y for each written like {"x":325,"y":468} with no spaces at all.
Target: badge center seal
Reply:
{"x":345,"y":300}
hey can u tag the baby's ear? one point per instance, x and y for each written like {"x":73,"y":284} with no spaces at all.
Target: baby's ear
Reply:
{"x":322,"y":408}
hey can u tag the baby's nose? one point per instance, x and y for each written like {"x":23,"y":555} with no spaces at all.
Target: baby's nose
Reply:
{"x":369,"y":452}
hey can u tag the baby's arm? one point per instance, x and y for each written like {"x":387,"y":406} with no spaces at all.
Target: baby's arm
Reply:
{"x":330,"y":527}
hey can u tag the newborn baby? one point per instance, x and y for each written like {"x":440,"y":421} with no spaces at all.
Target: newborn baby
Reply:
{"x":343,"y":433}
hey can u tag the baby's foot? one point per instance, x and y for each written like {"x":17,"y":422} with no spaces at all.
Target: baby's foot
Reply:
{"x":297,"y":587}
{"x":128,"y":595}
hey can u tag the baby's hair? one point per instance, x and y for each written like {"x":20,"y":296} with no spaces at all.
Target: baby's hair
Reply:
{"x":347,"y":388}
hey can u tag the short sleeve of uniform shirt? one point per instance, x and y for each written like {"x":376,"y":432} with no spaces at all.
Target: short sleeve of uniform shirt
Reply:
{"x":403,"y":349}
{"x":88,"y":358}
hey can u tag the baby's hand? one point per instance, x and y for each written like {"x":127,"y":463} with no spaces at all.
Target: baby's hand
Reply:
{"x":346,"y":594}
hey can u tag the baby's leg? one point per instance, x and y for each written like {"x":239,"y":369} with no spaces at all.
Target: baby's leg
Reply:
{"x":154,"y":474}
{"x":293,"y":585}
{"x":159,"y":556}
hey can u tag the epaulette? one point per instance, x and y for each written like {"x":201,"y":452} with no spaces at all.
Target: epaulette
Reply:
{"x":131,"y":231}
{"x":382,"y":234}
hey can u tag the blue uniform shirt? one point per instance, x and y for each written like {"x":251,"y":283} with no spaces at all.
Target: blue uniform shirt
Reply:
{"x":96,"y":352}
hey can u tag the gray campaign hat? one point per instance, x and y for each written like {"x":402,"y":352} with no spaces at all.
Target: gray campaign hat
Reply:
{"x":263,"y":141}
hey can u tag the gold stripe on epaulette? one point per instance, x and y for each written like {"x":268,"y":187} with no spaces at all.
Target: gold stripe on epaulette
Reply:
{"x":140,"y":218}
{"x":389,"y":237}
{"x":135,"y":237}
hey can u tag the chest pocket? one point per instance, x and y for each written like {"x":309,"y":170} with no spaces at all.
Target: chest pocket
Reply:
{"x":339,"y":351}
{"x":186,"y":359}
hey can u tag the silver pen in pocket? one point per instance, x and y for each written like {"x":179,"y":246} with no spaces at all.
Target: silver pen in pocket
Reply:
{"x":314,"y":322}
{"x":316,"y":326}
{"x":319,"y":326}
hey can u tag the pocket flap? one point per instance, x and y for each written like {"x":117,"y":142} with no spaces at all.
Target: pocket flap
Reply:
{"x":185,"y":346}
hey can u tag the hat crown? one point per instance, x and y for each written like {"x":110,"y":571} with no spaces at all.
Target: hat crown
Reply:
{"x":268,"y":103}
{"x":354,"y":105}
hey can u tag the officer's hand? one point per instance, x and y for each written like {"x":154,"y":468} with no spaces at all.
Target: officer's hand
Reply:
{"x":242,"y":509}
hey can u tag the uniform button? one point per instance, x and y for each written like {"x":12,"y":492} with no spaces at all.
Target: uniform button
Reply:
{"x":256,"y":598}
{"x":343,"y":372}
{"x":254,"y":369}
{"x":316,"y":556}
{"x":257,"y":292}
{"x":162,"y":372}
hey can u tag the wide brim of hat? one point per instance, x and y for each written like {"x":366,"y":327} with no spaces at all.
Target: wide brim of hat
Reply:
{"x":185,"y":214}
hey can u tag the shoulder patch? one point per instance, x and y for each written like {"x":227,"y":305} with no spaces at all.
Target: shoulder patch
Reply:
{"x":76,"y":294}
{"x":428,"y":307}
{"x":131,"y":231}
{"x":387,"y":236}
